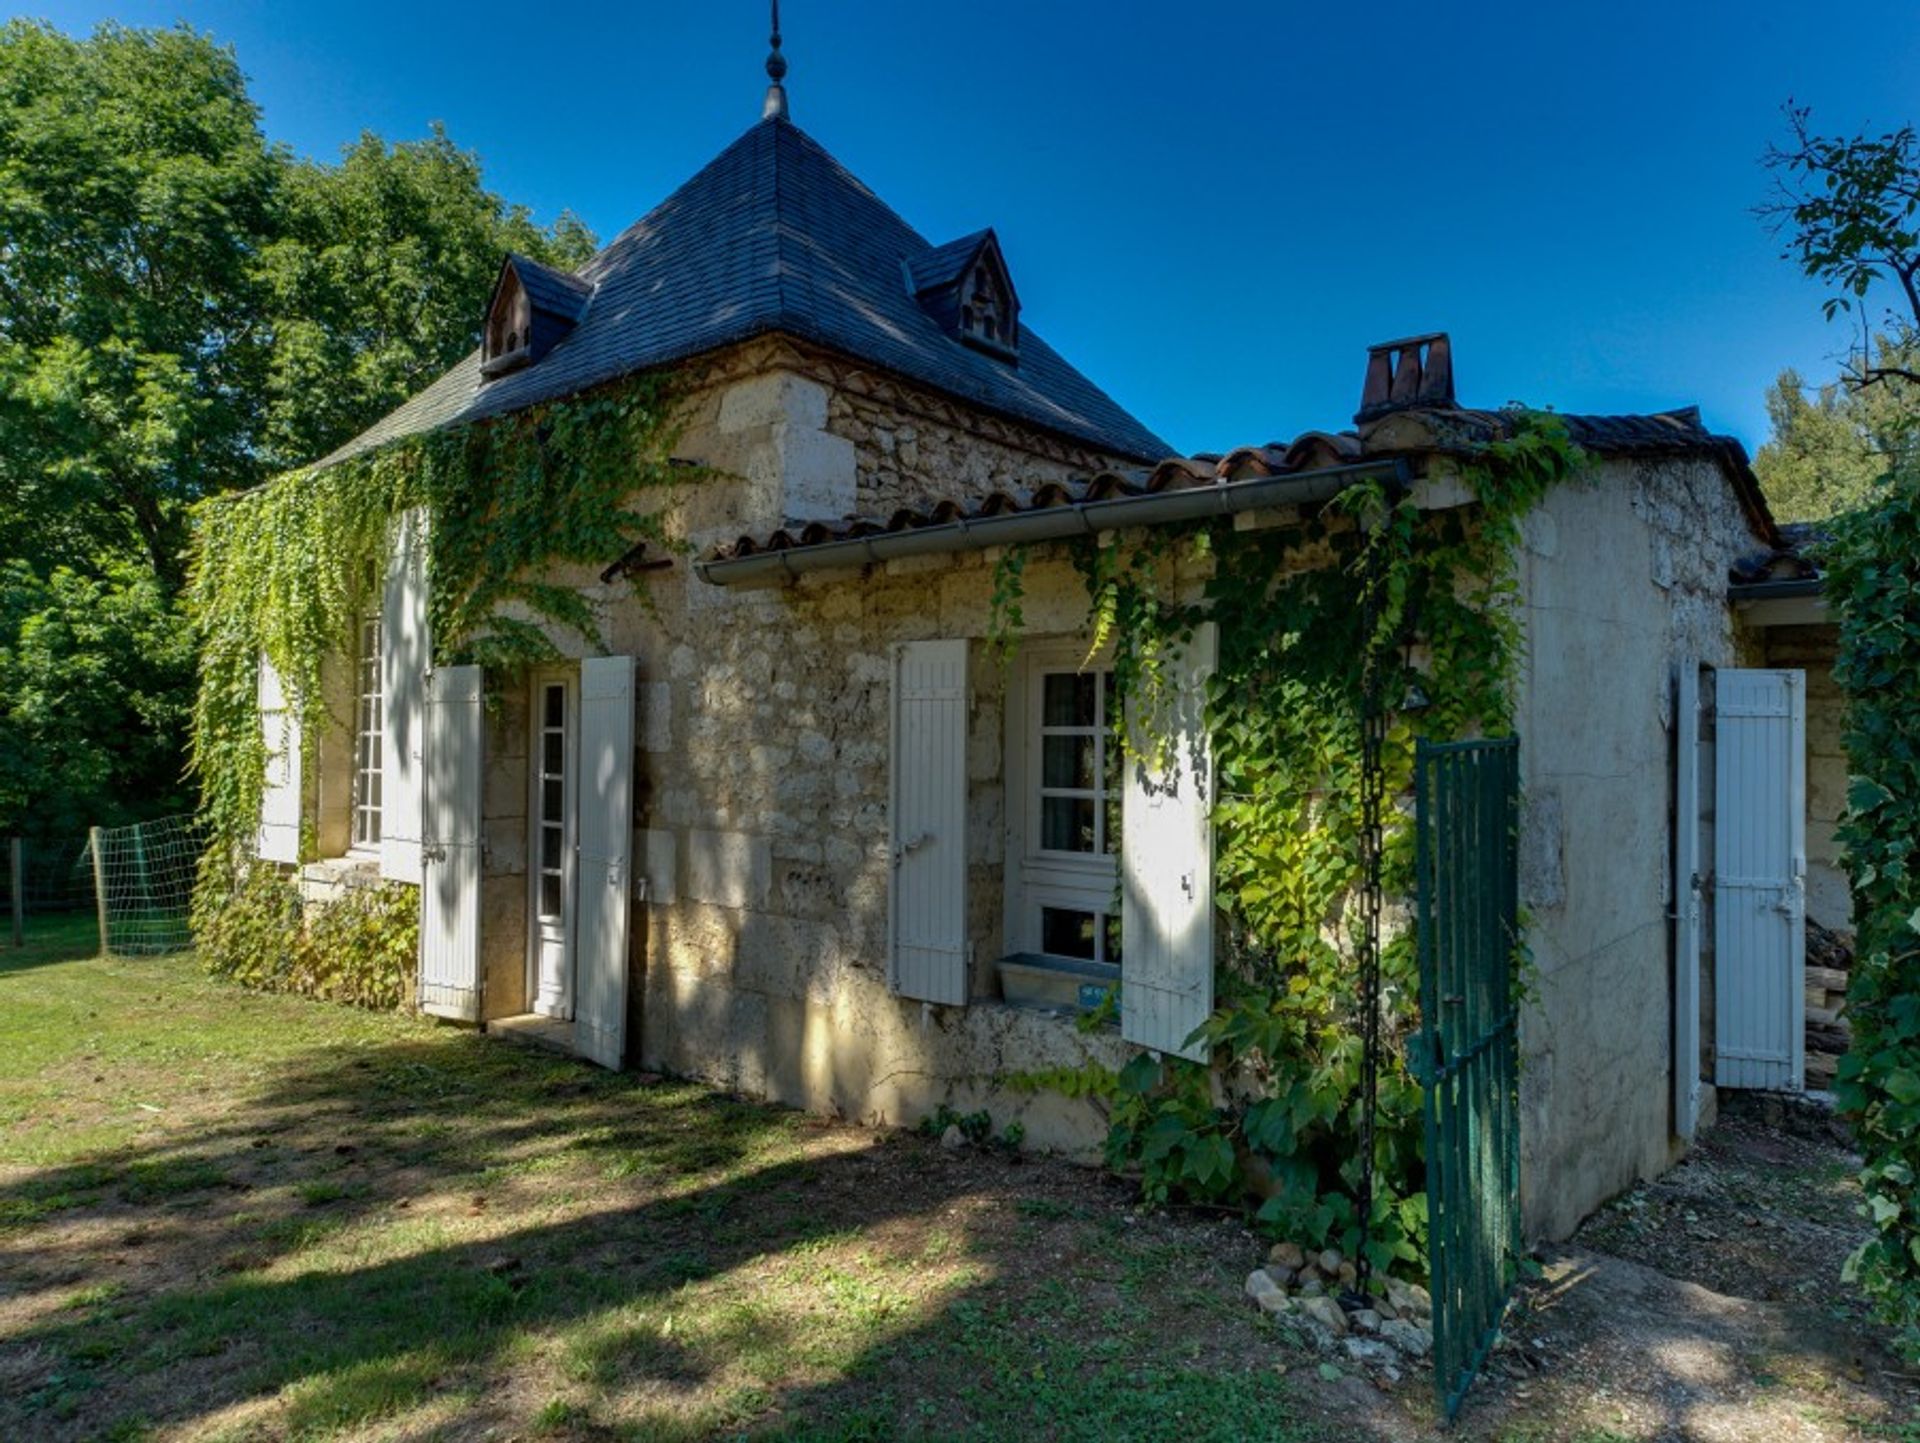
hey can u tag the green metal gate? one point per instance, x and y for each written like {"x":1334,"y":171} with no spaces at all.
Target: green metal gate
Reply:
{"x":1467,"y":812}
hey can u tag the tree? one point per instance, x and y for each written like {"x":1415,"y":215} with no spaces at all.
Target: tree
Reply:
{"x":376,"y":282}
{"x":1850,"y":211}
{"x":184,"y":309}
{"x":1832,"y":444}
{"x":96,"y":677}
{"x":135,"y":187}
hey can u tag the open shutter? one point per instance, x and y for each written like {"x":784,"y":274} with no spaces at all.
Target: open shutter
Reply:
{"x":606,"y":857}
{"x":450,"y":855}
{"x":1686,"y":899}
{"x":279,"y":839}
{"x":1759,"y":879}
{"x":1166,"y":865}
{"x":404,"y":661}
{"x":927,"y":822}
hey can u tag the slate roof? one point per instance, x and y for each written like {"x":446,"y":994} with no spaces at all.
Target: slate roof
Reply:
{"x":773,"y":235}
{"x":1452,"y":430}
{"x":941,"y":266}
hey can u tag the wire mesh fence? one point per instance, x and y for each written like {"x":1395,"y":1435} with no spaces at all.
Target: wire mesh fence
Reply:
{"x":54,"y":877}
{"x":138,"y":887}
{"x":146,"y":874}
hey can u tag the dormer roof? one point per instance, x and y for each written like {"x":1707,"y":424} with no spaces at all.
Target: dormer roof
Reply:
{"x":557,"y":293}
{"x":775,"y":236}
{"x":966,"y":287}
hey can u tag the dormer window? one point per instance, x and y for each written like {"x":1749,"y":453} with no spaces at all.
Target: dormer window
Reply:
{"x":964,"y":286}
{"x":984,"y":315}
{"x":508,"y":342}
{"x":532,"y":310}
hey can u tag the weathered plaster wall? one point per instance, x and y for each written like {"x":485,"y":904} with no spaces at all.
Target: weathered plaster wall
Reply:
{"x":1613,"y":596}
{"x":1812,"y":649}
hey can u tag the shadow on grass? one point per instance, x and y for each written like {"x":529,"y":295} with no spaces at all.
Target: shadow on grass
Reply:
{"x":57,"y":937}
{"x":197,"y":1293}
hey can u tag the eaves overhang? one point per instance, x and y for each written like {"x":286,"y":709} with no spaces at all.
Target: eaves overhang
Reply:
{"x":1047,"y":523}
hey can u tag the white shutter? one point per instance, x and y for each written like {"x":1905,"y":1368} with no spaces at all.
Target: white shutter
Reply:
{"x":279,"y":838}
{"x":450,"y":874}
{"x":1686,"y":899}
{"x":405,"y":658}
{"x":605,"y":874}
{"x":1166,"y":865}
{"x":927,"y":822}
{"x":1759,"y":881}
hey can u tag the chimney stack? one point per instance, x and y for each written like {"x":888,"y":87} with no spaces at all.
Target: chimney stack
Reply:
{"x":1411,"y":374}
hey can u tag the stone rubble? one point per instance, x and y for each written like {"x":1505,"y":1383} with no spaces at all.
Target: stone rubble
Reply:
{"x":1381,"y":1333}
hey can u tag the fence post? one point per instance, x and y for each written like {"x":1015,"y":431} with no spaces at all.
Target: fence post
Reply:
{"x":17,"y":869}
{"x":99,"y":885}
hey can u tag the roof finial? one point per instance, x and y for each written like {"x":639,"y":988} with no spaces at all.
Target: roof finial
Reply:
{"x":776,"y":103}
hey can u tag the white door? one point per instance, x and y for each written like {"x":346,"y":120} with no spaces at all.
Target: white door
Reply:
{"x":1759,"y":882}
{"x":550,"y":846}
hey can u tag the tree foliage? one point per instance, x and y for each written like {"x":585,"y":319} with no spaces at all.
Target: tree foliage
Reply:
{"x":1874,"y":583}
{"x":375,"y":282}
{"x":185,"y":310}
{"x":1831,"y":444}
{"x":1851,"y":210}
{"x":135,"y":187}
{"x":1848,"y":208}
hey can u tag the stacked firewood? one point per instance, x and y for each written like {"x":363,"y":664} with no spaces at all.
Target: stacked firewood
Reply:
{"x":1829,"y":960}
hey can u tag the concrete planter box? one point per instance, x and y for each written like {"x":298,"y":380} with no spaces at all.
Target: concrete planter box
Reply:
{"x":1060,"y":984}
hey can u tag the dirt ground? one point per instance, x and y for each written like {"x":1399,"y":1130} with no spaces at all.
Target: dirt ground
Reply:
{"x":1707,"y":1305}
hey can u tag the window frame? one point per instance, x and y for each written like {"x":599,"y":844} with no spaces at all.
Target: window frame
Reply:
{"x":368,"y":741}
{"x":1034,"y":877}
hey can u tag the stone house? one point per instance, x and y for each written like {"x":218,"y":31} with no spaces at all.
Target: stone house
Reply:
{"x":803,"y":835}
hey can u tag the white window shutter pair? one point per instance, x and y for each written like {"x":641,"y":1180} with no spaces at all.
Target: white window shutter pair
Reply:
{"x":406,"y":657}
{"x":279,"y":836}
{"x":927,"y":843}
{"x":450,"y":886}
{"x":1166,"y":864}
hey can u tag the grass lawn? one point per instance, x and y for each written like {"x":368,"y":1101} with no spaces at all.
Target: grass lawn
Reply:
{"x":225,"y":1215}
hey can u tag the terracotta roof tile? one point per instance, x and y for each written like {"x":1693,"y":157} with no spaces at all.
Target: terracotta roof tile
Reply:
{"x":1408,"y":432}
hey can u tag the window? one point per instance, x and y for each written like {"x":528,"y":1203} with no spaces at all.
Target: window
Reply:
{"x":507,"y":339}
{"x":1062,"y":882}
{"x":550,"y":761}
{"x":986,"y":307}
{"x":1079,"y":783}
{"x":367,"y":705}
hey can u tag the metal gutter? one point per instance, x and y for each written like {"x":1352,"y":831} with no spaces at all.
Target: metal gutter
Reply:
{"x":1776,"y":590}
{"x":1050,"y":523}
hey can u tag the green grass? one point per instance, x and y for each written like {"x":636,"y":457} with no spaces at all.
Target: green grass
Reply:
{"x":228,"y":1215}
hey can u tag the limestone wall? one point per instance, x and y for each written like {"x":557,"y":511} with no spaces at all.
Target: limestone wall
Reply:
{"x":1621,"y":577}
{"x":762,"y":777}
{"x":909,"y":458}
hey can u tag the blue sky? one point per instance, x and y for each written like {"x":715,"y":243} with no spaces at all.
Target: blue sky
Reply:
{"x":1211,"y":208}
